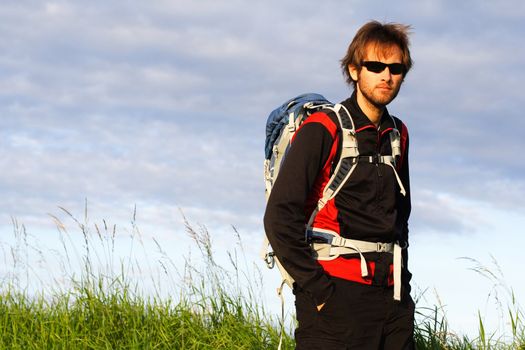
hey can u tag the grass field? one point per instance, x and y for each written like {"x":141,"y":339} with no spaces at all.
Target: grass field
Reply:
{"x":215,"y":307}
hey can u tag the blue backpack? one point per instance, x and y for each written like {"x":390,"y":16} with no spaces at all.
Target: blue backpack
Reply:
{"x":281,"y":126}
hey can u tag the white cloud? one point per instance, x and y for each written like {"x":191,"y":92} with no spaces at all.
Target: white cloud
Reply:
{"x":445,"y":213}
{"x":104,"y":96}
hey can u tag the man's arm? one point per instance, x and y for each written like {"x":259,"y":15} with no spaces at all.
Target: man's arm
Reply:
{"x":285,"y":216}
{"x":405,"y":207}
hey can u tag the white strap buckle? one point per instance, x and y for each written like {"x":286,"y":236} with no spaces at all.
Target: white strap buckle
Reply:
{"x":383,"y":247}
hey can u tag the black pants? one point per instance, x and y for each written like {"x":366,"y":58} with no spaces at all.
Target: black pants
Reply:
{"x":356,"y":316}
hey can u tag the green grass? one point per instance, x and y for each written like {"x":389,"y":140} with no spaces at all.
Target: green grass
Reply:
{"x":101,"y":307}
{"x":95,"y":303}
{"x":432,"y":330}
{"x":120,"y":321}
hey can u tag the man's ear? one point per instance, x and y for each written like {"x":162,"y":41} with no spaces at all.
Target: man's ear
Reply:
{"x":354,"y":72}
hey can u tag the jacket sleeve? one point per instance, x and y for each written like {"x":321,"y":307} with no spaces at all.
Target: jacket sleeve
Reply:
{"x":285,"y":216}
{"x":405,"y":205}
{"x":404,"y":209}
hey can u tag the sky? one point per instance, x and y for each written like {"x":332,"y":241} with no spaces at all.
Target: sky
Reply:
{"x":159,"y":108}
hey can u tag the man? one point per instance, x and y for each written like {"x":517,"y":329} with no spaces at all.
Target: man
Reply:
{"x":337,"y":306}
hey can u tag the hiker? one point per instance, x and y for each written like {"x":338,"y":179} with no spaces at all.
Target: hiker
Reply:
{"x":359,"y":298}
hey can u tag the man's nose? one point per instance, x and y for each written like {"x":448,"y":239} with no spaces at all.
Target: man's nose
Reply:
{"x":386,"y":75}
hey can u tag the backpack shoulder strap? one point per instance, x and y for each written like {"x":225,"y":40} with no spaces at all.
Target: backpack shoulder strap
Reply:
{"x":321,"y":118}
{"x":398,"y":141}
{"x":403,"y":134}
{"x":349,"y":154}
{"x":398,"y":146}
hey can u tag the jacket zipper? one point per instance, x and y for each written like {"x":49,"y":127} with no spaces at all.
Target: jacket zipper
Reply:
{"x":379,"y":194}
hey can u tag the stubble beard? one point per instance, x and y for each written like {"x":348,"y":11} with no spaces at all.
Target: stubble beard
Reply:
{"x":378,"y":98}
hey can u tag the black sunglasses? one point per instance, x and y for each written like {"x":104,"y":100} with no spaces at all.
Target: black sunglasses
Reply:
{"x":378,"y":67}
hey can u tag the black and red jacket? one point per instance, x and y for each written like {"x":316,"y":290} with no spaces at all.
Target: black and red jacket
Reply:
{"x":368,"y":207}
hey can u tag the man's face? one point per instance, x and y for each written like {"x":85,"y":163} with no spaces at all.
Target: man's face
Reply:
{"x":378,"y":88}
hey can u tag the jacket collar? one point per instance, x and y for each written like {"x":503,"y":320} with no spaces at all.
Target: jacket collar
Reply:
{"x":360,"y":119}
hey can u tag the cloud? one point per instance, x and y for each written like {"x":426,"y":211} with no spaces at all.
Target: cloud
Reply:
{"x":154,"y":161}
{"x":446,"y":214}
{"x":165,"y":104}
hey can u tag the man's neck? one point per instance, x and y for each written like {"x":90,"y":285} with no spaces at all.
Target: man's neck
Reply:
{"x":372,"y":112}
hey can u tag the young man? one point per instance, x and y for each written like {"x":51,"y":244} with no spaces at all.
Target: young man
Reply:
{"x":337,"y":306}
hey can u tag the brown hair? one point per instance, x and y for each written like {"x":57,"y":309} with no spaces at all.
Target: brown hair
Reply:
{"x":382,"y":36}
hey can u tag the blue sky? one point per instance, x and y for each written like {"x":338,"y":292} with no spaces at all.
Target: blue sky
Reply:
{"x":163,"y":105}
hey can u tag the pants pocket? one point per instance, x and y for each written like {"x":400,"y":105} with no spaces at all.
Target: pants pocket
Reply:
{"x":306,"y":313}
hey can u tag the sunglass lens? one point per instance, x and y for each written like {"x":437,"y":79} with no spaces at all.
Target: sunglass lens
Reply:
{"x":376,"y":67}
{"x":396,"y":68}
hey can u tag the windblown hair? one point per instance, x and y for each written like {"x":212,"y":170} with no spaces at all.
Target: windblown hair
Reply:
{"x":382,"y":36}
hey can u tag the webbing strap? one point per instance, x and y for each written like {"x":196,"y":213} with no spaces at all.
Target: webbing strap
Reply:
{"x":263,"y":253}
{"x":280,"y":293}
{"x":336,"y":245}
{"x":398,"y":263}
{"x":399,"y":182}
{"x":395,"y":141}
